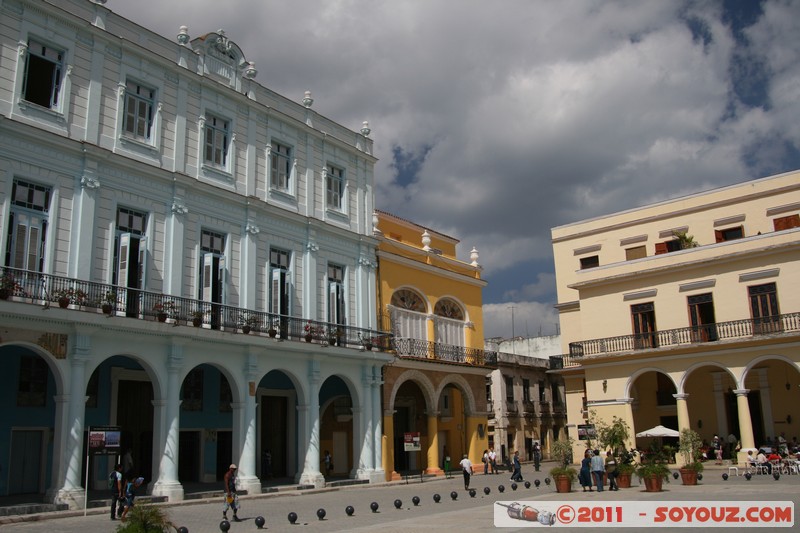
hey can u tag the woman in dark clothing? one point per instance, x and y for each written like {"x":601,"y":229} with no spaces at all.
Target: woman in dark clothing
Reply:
{"x":585,"y":474}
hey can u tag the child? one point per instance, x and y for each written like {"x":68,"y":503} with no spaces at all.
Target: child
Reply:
{"x":130,"y":493}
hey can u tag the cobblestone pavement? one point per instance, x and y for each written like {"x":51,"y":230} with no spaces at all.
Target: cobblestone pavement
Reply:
{"x":463,"y":515}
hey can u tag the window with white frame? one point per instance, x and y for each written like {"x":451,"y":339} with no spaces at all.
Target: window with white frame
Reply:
{"x":44,"y":67}
{"x":408,"y":313}
{"x":129,"y":248}
{"x":139,"y":111}
{"x":449,"y":322}
{"x":217,"y":135}
{"x":27,"y":225}
{"x":280,"y":166}
{"x":279,"y":281}
{"x":212,"y":267}
{"x":336,"y":310}
{"x":334,"y":187}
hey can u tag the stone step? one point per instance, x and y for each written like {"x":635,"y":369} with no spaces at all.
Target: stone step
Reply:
{"x":33,"y":508}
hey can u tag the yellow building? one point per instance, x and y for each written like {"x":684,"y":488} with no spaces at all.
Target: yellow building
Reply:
{"x":686,"y":313}
{"x":436,"y":389}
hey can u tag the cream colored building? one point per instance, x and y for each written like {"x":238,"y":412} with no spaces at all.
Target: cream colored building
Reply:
{"x":686,"y":313}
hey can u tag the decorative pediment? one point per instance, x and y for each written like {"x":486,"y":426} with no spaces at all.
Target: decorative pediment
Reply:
{"x":222,"y":58}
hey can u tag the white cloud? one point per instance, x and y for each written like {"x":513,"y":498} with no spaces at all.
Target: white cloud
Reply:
{"x":531,"y":319}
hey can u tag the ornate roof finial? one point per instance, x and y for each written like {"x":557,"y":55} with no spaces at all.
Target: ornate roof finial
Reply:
{"x":307,"y":100}
{"x":365,"y":131}
{"x":426,"y":241}
{"x":473,"y":255}
{"x":183,"y":35}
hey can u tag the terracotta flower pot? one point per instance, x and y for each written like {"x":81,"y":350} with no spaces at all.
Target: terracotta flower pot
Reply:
{"x":272,"y":333}
{"x":245,"y":329}
{"x":688,"y":476}
{"x":162,"y":317}
{"x":4,"y":294}
{"x":563,"y":484}
{"x":624,"y":481}
{"x":197,"y":322}
{"x":107,"y":308}
{"x":63,"y":302}
{"x":653,"y":484}
{"x":308,"y":337}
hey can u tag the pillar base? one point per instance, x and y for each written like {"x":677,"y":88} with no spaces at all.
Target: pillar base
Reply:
{"x":74,"y":498}
{"x":373,"y":476}
{"x":173,"y":490}
{"x":312,"y":478}
{"x":434,"y":472}
{"x":251,"y":484}
{"x":394,"y":476}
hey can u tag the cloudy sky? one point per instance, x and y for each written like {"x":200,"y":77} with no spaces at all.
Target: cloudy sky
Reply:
{"x":496,"y":120}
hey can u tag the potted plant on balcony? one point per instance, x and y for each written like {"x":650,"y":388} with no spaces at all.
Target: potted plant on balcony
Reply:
{"x":70,"y":296}
{"x":311,"y":331}
{"x":197,"y":318}
{"x":273,"y":329}
{"x":165,"y":309}
{"x":248,"y":322}
{"x":335,"y":336}
{"x":563,"y":475}
{"x":108,"y":302}
{"x":8,"y":285}
{"x":689,"y":447}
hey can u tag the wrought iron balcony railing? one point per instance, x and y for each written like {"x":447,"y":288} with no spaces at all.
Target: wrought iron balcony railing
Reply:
{"x":87,"y":296}
{"x":421,"y":349}
{"x":771,"y":325}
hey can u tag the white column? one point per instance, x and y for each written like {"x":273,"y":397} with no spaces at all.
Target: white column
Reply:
{"x":247,"y":478}
{"x":311,"y":474}
{"x":70,"y":491}
{"x":247,"y":279}
{"x":59,"y":466}
{"x":766,"y":403}
{"x":83,"y":223}
{"x":173,"y":246}
{"x":310,"y":280}
{"x":168,"y":484}
{"x":358,"y":471}
{"x":719,"y":402}
{"x":377,"y":433}
{"x":366,"y":457}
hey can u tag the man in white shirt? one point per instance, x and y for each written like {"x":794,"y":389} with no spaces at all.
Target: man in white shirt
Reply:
{"x":493,"y":460}
{"x":466,"y":466}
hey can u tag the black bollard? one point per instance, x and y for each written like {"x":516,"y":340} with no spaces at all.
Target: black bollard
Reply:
{"x":259,"y":522}
{"x":776,"y":476}
{"x":675,"y":475}
{"x":537,"y":483}
{"x":486,"y":490}
{"x":748,"y":475}
{"x":527,"y":484}
{"x":183,"y":529}
{"x":699,"y":477}
{"x":374,"y":507}
{"x":725,"y":477}
{"x":501,"y":488}
{"x":349,"y":510}
{"x":436,"y":498}
{"x":415,"y":500}
{"x":321,"y":513}
{"x":472,"y":493}
{"x":292,"y":517}
{"x":513,"y":486}
{"x":224,"y":526}
{"x":398,"y":504}
{"x":547,"y":481}
{"x":454,"y":495}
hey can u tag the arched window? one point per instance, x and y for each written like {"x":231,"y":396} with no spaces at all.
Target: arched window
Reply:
{"x":449,"y":322}
{"x":408,"y":311}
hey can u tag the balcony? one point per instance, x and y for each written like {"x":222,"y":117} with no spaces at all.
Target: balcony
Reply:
{"x":435,"y":351}
{"x":85,"y":296}
{"x":707,"y":333}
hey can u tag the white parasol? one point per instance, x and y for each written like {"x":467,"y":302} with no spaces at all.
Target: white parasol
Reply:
{"x":658,"y":431}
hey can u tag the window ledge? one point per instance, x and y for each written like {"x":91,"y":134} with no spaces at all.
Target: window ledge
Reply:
{"x":337,"y":214}
{"x":216,"y":172}
{"x":42,"y":112}
{"x":132,"y":142}
{"x":284,"y":194}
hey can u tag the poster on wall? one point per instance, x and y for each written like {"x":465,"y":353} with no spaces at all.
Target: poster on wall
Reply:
{"x":104,"y":440}
{"x":586,"y":432}
{"x":411,"y":442}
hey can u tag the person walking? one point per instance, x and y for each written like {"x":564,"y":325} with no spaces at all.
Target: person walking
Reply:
{"x":493,"y":460}
{"x":598,"y":469}
{"x":231,"y":499}
{"x":466,"y":467}
{"x":517,"y":467}
{"x":130,"y":494}
{"x":537,"y":455}
{"x":117,"y":491}
{"x":717,"y":445}
{"x":585,"y":473}
{"x":328,"y":460}
{"x":611,"y":470}
{"x":485,"y":460}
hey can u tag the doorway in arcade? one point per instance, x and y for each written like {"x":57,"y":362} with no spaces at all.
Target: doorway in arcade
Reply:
{"x":277,"y":421}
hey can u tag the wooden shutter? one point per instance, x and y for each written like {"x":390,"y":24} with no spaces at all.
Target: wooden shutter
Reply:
{"x":661,"y":248}
{"x":206,"y":281}
{"x":123,"y":259}
{"x":718,"y":236}
{"x":784,"y":223}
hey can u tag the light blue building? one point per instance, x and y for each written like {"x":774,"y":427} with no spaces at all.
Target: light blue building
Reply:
{"x":211,"y":243}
